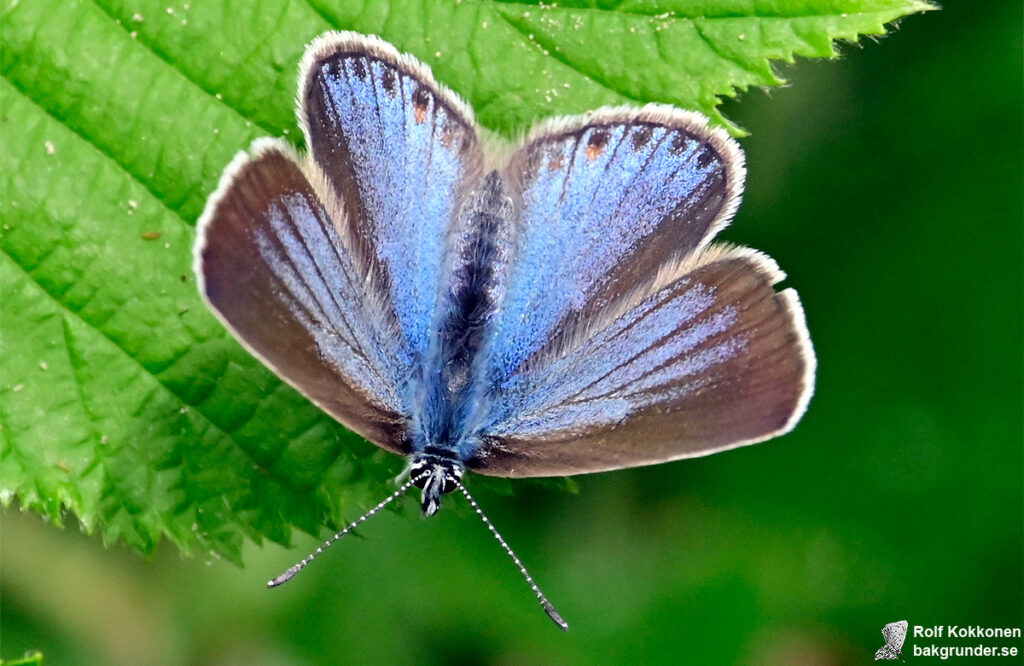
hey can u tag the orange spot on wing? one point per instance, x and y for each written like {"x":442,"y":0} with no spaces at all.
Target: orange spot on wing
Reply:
{"x":596,"y":144}
{"x":420,"y":103}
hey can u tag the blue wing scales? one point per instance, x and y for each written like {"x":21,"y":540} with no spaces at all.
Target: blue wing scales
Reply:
{"x":400,"y":153}
{"x":561,"y":315}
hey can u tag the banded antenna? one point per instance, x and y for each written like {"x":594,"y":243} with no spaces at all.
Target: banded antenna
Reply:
{"x":545,"y":604}
{"x":287,"y":575}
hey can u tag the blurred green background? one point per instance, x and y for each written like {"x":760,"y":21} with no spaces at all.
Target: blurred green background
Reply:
{"x":888,"y":185}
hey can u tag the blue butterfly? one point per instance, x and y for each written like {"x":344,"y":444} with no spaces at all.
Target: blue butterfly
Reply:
{"x":549,"y":309}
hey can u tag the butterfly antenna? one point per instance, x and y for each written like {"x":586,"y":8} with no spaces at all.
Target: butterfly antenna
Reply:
{"x":287,"y":575}
{"x":545,"y":604}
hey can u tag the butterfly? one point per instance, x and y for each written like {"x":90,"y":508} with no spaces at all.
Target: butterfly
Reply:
{"x":894,"y":633}
{"x":549,"y":308}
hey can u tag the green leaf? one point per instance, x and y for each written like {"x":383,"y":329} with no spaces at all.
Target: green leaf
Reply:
{"x":122,"y":400}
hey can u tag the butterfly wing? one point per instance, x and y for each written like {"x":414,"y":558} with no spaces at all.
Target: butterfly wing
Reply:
{"x":327,"y":267}
{"x":625,"y":339}
{"x":277,"y":269}
{"x":400,"y":153}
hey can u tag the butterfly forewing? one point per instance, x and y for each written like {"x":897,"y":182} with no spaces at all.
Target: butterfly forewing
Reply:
{"x":400,"y":153}
{"x":605,"y":200}
{"x":895,"y":634}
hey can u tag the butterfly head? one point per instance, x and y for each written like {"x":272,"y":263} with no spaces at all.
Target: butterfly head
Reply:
{"x":436,"y":475}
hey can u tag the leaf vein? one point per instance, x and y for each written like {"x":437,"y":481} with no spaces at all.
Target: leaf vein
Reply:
{"x":163,"y":58}
{"x":207,"y":418}
{"x":736,"y":60}
{"x":100,"y":149}
{"x":552,"y":52}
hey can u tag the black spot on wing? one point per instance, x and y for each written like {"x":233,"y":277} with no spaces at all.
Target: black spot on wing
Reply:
{"x":679,"y":142}
{"x":358,"y":68}
{"x":388,"y":80}
{"x":706,"y":157}
{"x":641,"y":136}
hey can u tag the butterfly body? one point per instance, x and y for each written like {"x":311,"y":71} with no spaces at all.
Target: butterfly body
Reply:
{"x":452,"y":385}
{"x":553,"y":307}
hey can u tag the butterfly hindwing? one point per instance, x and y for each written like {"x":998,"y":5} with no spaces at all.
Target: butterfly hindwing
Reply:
{"x":278,"y":271}
{"x":707,"y":358}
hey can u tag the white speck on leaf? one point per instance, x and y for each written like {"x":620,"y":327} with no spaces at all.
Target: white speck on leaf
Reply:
{"x":50,"y":150}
